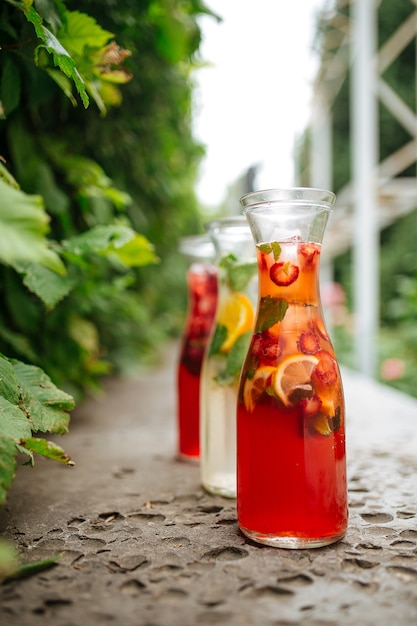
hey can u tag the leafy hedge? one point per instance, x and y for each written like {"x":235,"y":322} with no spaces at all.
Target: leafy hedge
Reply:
{"x":97,"y":161}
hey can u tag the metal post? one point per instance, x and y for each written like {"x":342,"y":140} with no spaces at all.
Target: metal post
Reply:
{"x":321,"y":171}
{"x":364,"y":145}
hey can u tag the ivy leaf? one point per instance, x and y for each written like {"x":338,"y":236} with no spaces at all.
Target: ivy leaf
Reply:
{"x":45,"y":404}
{"x":271,"y":311}
{"x":48,"y":449}
{"x":23,"y":226}
{"x":238,"y":273}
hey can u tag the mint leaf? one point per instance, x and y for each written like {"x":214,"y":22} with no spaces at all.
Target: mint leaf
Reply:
{"x":267,"y":248}
{"x":271,"y":311}
{"x":218,"y":339}
{"x":237,"y":355}
{"x":238,"y":274}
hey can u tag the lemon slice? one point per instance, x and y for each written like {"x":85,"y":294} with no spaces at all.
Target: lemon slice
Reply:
{"x":254,"y":387}
{"x":294,"y":374}
{"x":237,"y":315}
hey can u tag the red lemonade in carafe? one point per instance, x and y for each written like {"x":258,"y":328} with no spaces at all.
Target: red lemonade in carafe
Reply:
{"x":291,"y":466}
{"x":202,"y":301}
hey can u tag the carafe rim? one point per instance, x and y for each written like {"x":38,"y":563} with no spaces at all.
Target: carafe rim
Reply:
{"x":267,"y":198}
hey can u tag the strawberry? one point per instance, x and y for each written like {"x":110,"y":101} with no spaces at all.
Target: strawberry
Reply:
{"x":284,"y":274}
{"x":310,"y":406}
{"x":325,"y":370}
{"x":308,"y":252}
{"x":266,"y":347}
{"x":308,"y":342}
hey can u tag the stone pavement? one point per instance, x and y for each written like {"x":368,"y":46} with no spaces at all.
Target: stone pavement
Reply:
{"x":144,"y":545}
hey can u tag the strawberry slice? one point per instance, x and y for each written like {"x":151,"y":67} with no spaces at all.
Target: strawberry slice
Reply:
{"x":308,"y":252}
{"x":266,"y":347}
{"x":326,"y":370}
{"x":310,"y":406}
{"x":308,"y":342}
{"x":284,"y":274}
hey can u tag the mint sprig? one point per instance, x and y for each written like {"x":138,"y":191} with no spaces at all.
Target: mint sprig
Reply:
{"x":271,"y":311}
{"x":274,"y":247}
{"x":238,"y":274}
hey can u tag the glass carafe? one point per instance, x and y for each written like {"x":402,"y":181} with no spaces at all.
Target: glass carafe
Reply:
{"x":291,"y":466}
{"x":237,"y":296}
{"x":201,"y":279}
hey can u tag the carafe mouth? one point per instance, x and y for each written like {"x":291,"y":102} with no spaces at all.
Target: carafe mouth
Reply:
{"x":310,"y":196}
{"x":292,"y":214}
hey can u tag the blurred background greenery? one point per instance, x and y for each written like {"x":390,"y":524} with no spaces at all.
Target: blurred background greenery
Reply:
{"x":131,"y":159}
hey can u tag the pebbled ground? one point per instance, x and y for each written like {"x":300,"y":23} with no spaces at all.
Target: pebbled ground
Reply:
{"x":143,"y":545}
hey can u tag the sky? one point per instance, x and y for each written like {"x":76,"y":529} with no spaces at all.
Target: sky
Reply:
{"x":253,"y":98}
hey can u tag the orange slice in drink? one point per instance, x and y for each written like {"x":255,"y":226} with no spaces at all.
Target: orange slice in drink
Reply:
{"x":294,"y":375}
{"x":254,"y":387}
{"x":237,"y":315}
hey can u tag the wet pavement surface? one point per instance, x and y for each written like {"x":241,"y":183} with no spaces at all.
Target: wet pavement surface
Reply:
{"x":143,"y":545}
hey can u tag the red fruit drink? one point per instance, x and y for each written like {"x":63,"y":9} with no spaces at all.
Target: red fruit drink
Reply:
{"x":291,"y":469}
{"x":202,"y":300}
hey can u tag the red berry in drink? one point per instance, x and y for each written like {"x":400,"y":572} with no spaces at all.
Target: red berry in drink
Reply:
{"x":284,"y":274}
{"x":308,"y":342}
{"x":326,"y":369}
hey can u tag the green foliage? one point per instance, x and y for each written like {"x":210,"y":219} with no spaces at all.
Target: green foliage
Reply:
{"x":12,"y":568}
{"x":84,"y":190}
{"x":29,"y":403}
{"x":397,"y":339}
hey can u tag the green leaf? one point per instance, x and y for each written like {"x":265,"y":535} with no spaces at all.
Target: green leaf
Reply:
{"x":61,"y":57}
{"x":13,"y":422}
{"x":48,"y":449}
{"x":267,"y":248}
{"x":10,"y":86}
{"x":237,"y":355}
{"x":63,"y":83}
{"x":8,"y":464}
{"x":47,"y":285}
{"x":238,"y":273}
{"x":271,"y":311}
{"x":23,"y":226}
{"x":219,"y":337}
{"x":129,"y":247}
{"x":28,"y":569}
{"x":7,"y":177}
{"x":45,"y":404}
{"x":8,"y":382}
{"x":136,"y":252}
{"x":81,"y":31}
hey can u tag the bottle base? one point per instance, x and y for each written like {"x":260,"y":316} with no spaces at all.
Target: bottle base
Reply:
{"x":188,"y":458}
{"x":290,"y":541}
{"x":220,"y":490}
